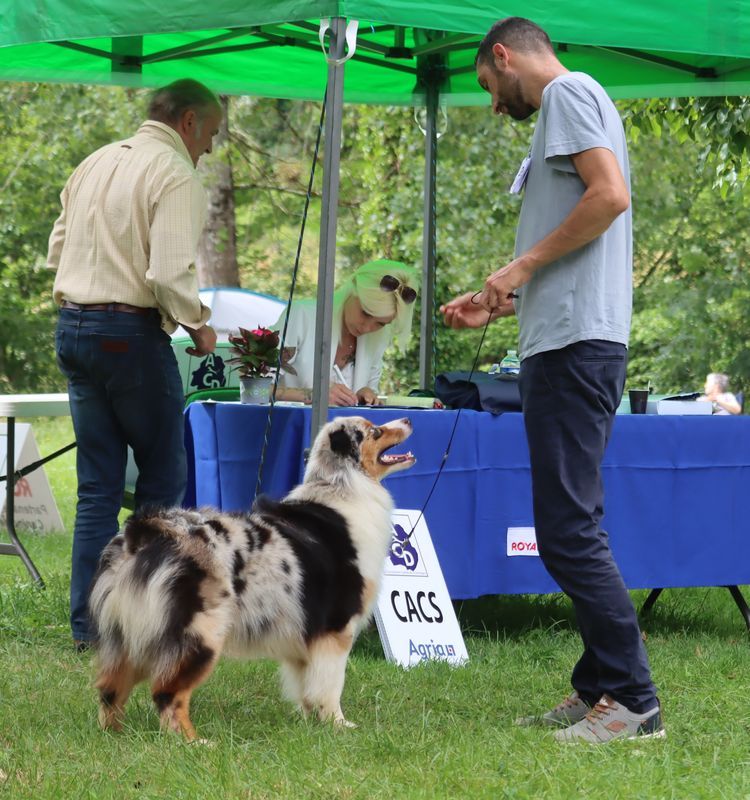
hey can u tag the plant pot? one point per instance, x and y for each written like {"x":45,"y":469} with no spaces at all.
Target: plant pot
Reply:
{"x":256,"y":391}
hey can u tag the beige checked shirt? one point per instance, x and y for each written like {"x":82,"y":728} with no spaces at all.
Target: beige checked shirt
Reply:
{"x":132,"y":214}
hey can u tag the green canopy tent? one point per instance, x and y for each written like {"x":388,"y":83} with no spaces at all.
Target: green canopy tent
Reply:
{"x":639,"y":48}
{"x":400,"y":52}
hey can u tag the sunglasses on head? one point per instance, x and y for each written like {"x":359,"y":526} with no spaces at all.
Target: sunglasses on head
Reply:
{"x":390,"y":284}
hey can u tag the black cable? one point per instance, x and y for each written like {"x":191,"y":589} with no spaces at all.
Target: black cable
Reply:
{"x":267,"y":432}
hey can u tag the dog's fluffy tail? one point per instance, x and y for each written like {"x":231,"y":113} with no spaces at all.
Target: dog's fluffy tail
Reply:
{"x":139,"y":606}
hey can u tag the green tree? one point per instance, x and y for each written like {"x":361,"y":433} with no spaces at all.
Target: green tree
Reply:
{"x":47,"y":130}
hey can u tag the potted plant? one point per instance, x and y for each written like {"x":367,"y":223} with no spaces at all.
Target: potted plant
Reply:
{"x":255,"y":354}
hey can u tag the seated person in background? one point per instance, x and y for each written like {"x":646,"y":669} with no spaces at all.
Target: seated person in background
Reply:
{"x":373,"y":308}
{"x":715,"y":388}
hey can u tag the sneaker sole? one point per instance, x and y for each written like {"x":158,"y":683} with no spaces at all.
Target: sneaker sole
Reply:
{"x":540,"y":722}
{"x":638,"y":737}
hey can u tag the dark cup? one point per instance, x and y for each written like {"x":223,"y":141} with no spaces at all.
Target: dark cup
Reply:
{"x":638,"y":400}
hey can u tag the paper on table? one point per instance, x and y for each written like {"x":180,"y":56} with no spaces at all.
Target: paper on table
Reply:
{"x":407,"y":401}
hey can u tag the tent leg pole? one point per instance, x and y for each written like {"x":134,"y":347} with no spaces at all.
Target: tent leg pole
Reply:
{"x":429,"y":244}
{"x":328,"y":223}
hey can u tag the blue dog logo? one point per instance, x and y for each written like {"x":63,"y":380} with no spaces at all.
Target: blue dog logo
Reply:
{"x":210,"y":373}
{"x":402,"y":551}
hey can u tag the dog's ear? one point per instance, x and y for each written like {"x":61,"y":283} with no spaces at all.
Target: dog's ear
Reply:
{"x":343,"y":443}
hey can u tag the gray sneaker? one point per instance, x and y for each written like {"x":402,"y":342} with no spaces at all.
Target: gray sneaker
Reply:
{"x":609,"y":720}
{"x":571,"y":710}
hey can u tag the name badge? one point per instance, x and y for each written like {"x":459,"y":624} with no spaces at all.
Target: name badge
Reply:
{"x":521,"y":175}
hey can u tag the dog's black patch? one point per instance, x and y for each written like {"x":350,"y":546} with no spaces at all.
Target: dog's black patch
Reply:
{"x":343,"y":445}
{"x":111,"y":552}
{"x":162,"y":699}
{"x":107,"y":697}
{"x":285,"y":566}
{"x":250,"y":537}
{"x":264,"y":534}
{"x":139,"y":531}
{"x":238,"y":583}
{"x":219,"y":527}
{"x":185,"y":599}
{"x":156,"y":553}
{"x":199,"y":532}
{"x":319,"y":536}
{"x":194,"y":663}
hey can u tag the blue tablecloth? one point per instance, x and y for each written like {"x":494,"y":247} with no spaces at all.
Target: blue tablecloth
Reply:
{"x":677,"y":489}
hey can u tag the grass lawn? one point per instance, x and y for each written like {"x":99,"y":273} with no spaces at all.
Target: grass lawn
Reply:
{"x":433,"y":731}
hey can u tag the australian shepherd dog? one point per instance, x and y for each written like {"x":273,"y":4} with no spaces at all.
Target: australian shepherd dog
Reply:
{"x":294,"y":581}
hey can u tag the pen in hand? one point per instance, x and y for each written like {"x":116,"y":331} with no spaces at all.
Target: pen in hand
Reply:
{"x":340,"y":377}
{"x":339,"y":374}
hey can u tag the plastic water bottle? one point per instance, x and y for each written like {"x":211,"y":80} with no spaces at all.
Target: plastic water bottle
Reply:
{"x":510,"y":365}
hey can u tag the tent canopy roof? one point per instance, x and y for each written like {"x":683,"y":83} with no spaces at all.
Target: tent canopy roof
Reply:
{"x":271,"y":48}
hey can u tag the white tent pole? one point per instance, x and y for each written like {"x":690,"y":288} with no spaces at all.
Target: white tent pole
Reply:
{"x":328,"y":222}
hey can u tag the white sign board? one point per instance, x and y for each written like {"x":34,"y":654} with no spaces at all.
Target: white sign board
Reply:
{"x":521,"y":542}
{"x":35,"y":508}
{"x":414,"y":613}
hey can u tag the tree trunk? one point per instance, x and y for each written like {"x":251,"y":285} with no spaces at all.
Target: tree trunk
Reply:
{"x":216,"y":260}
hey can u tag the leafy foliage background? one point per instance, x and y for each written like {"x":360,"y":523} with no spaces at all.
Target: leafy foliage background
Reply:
{"x":691,"y":218}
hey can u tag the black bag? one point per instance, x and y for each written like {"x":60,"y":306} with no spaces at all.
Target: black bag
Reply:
{"x":484,"y":392}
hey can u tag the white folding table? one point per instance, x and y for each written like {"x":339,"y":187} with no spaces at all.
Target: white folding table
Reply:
{"x":26,"y":405}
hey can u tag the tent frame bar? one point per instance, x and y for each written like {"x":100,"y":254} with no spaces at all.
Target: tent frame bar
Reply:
{"x":328,"y":224}
{"x":198,"y":49}
{"x":698,"y":72}
{"x":164,"y":55}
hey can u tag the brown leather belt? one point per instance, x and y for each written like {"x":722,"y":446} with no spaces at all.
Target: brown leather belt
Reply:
{"x":126,"y":308}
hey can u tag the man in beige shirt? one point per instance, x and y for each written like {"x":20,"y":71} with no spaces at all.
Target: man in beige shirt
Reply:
{"x":124,"y":249}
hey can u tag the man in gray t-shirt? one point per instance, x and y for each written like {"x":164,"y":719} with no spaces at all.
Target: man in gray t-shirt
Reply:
{"x":586,"y":293}
{"x":570,"y":285}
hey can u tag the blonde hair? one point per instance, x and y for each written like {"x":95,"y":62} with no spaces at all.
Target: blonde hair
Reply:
{"x":364,"y":283}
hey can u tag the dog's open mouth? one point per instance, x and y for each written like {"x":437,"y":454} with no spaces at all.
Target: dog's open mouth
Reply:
{"x":390,"y":459}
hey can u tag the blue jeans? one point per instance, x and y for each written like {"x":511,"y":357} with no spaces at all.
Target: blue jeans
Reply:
{"x":125,"y":389}
{"x":569,"y":400}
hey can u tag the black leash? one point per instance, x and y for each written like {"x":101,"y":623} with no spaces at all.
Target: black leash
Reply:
{"x":20,"y":473}
{"x":453,"y":430}
{"x":269,"y":418}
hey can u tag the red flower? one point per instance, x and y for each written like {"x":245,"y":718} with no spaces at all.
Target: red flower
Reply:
{"x":256,"y":352}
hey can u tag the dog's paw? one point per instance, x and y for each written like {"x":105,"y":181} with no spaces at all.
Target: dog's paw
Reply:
{"x":109,"y":721}
{"x":344,"y":723}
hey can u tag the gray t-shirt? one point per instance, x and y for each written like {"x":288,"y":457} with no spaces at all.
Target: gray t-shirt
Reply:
{"x":588,"y":293}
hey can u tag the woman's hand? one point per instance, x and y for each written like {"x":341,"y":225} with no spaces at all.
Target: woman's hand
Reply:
{"x":342,"y":395}
{"x":367,"y":397}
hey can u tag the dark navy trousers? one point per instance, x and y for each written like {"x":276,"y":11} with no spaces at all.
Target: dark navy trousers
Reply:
{"x":569,"y":400}
{"x":125,"y":389}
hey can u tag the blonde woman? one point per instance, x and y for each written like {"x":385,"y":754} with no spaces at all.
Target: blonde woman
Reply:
{"x":373,"y":308}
